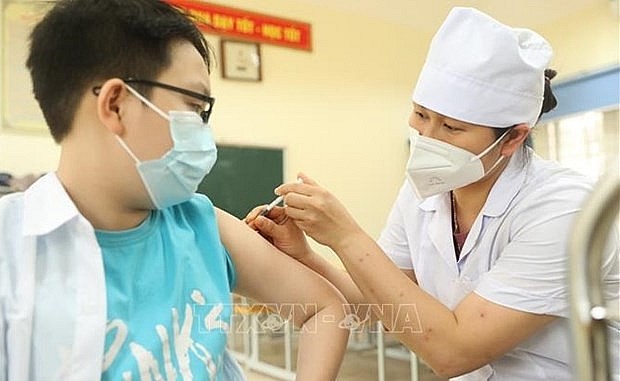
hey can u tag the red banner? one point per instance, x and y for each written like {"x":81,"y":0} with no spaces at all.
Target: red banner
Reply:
{"x":242,"y":24}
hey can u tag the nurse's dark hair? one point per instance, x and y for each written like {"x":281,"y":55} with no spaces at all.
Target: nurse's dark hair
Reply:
{"x":81,"y":43}
{"x":549,"y":103}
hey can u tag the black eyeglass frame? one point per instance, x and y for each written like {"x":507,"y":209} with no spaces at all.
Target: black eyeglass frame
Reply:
{"x":204,"y":114}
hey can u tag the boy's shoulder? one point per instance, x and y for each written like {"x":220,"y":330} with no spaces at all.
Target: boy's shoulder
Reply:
{"x":11,"y":222}
{"x":11,"y":199}
{"x":40,"y":209}
{"x":199,"y":212}
{"x":201,"y":200}
{"x":11,"y":207}
{"x":198,"y":204}
{"x":11,"y":204}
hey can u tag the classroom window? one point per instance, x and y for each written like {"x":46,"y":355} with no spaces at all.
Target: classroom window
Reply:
{"x":587,"y":142}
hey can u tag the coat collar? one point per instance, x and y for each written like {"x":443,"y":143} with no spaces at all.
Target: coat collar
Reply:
{"x":503,"y":192}
{"x":47,"y":206}
{"x":507,"y":185}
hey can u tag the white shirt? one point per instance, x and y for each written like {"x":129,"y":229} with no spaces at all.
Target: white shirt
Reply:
{"x":515,"y":255}
{"x":52,"y":295}
{"x":52,"y":289}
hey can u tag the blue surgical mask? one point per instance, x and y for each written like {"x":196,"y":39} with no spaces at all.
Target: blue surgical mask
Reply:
{"x":174,"y":178}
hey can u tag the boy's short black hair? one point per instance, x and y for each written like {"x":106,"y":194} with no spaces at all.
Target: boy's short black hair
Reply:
{"x":81,"y":43}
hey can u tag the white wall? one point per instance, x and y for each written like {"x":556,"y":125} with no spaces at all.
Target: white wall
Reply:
{"x":340,"y":111}
{"x":586,"y":41}
{"x":20,"y":152}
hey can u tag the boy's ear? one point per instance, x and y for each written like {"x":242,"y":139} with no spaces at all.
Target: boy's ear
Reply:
{"x":515,"y":138}
{"x":109,"y":105}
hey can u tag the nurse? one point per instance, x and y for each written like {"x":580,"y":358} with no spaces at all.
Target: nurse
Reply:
{"x":470,"y":271}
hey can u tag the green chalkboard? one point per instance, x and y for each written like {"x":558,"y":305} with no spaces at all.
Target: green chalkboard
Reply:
{"x":243,"y":177}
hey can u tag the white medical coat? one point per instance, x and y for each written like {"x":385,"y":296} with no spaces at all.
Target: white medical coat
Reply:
{"x":52,"y":289}
{"x":515,"y":255}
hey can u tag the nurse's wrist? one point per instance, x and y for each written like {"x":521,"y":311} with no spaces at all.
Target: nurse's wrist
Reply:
{"x":350,"y":242}
{"x":309,"y":259}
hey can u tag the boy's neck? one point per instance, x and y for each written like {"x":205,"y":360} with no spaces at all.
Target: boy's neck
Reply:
{"x":92,"y":196}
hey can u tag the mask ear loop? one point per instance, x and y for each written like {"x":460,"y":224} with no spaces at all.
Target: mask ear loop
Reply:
{"x":152,"y":107}
{"x":495,"y":165}
{"x":147,"y":102}
{"x":488,"y":149}
{"x":126,"y":147}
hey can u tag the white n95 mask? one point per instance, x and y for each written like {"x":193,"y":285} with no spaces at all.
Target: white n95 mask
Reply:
{"x":435,"y":167}
{"x":174,"y":178}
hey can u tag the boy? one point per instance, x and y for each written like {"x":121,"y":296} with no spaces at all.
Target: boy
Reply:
{"x":111,"y":267}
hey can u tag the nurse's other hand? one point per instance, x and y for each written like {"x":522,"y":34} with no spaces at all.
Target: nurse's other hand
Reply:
{"x":280,"y":230}
{"x":318,"y":213}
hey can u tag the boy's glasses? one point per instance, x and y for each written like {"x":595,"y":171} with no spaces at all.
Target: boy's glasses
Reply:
{"x":209,"y":101}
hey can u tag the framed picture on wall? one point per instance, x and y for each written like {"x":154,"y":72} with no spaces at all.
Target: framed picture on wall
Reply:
{"x":240,"y":60}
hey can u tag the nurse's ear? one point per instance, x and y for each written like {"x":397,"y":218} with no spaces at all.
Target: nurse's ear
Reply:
{"x":110,"y":97}
{"x":514,"y":139}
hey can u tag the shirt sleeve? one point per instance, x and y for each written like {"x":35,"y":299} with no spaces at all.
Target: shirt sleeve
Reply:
{"x":231,"y":272}
{"x":10,"y":207}
{"x":3,"y":349}
{"x":204,"y":212}
{"x":393,"y":238}
{"x":531,"y":273}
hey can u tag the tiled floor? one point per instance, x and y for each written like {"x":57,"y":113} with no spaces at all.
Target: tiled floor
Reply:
{"x":360,"y":363}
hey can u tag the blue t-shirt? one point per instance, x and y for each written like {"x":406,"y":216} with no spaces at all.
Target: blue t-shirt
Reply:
{"x":168,"y":284}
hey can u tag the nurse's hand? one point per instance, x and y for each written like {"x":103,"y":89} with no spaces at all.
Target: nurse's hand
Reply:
{"x":318,"y":213}
{"x":281,"y":231}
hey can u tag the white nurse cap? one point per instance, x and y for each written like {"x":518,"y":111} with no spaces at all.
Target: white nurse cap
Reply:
{"x":483,"y":72}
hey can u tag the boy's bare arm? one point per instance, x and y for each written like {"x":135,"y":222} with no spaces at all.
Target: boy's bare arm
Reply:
{"x":266,"y":275}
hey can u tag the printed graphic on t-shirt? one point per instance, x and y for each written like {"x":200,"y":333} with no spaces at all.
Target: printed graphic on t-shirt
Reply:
{"x":189,"y":348}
